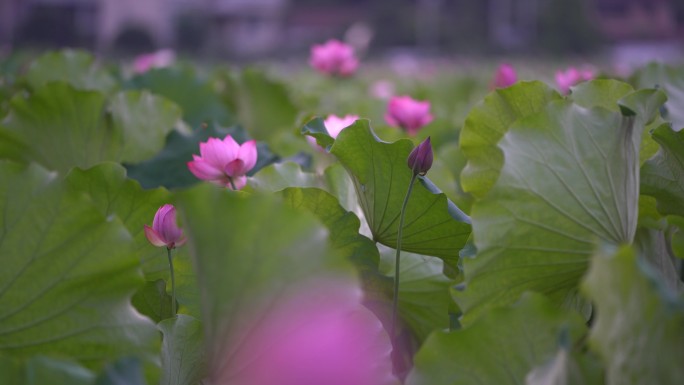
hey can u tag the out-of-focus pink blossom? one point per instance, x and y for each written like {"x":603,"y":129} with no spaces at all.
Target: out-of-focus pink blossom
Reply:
{"x":407,"y":113}
{"x":165,"y":230}
{"x":224,"y":162}
{"x":571,"y":76}
{"x":334,"y":58}
{"x":321,"y":335}
{"x":505,"y":76}
{"x":334,"y":124}
{"x":382,"y":89}
{"x":159,"y":59}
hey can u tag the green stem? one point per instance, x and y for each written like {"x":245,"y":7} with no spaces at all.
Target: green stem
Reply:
{"x":173,"y":284}
{"x":395,"y":299}
{"x":232,"y":184}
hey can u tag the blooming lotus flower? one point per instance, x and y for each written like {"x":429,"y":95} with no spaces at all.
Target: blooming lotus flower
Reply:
{"x":159,"y":59}
{"x":407,"y":113}
{"x":224,"y":162}
{"x":571,"y":76}
{"x":334,"y":58}
{"x":420,"y":159}
{"x":165,"y":230}
{"x":321,"y":335}
{"x":505,"y":76}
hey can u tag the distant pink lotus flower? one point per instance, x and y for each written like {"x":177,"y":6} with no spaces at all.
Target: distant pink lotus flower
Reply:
{"x":571,"y":76}
{"x":407,"y":113}
{"x":165,"y":230}
{"x":321,"y":335}
{"x":505,"y":76}
{"x":334,"y":58}
{"x":334,"y":124}
{"x":382,"y":89}
{"x":224,"y":162}
{"x":159,"y":59}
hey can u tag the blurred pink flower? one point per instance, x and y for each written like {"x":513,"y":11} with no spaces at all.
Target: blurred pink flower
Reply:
{"x":165,"y":230}
{"x":407,"y":113}
{"x":334,"y":58}
{"x":224,"y":161}
{"x":321,"y":335}
{"x":571,"y":76}
{"x":505,"y":76}
{"x":382,"y":89}
{"x":334,"y":124}
{"x":159,"y":59}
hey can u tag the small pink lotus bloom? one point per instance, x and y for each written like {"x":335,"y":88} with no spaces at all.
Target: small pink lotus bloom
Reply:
{"x":407,"y":113}
{"x":571,"y":76}
{"x":420,"y":159}
{"x":505,"y":76}
{"x":382,"y":89}
{"x":334,"y":58}
{"x":224,"y":162}
{"x":159,"y":59}
{"x":165,"y":230}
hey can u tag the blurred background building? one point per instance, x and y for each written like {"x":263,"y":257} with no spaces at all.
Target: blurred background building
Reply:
{"x":257,"y":28}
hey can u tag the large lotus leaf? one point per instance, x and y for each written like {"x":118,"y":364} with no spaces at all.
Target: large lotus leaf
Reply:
{"x":662,"y":176}
{"x":113,"y":194}
{"x":343,"y":225}
{"x":195,"y":96}
{"x":433,"y":224}
{"x":68,"y":274}
{"x":182,"y":351}
{"x":570,"y":178}
{"x":62,"y":127}
{"x":671,"y":80}
{"x":639,"y":326}
{"x":567,"y":368}
{"x":248,"y":251}
{"x":39,"y":370}
{"x":264,"y":106}
{"x":500,"y":348}
{"x":145,"y":120}
{"x":78,"y":68}
{"x":487,"y":123}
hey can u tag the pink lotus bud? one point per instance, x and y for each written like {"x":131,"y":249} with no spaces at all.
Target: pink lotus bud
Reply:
{"x":571,"y":76}
{"x":224,"y":162}
{"x":321,"y":335}
{"x":505,"y":76}
{"x":165,"y":230}
{"x":420,"y":159}
{"x":334,"y":58}
{"x":407,"y":113}
{"x":334,"y":124}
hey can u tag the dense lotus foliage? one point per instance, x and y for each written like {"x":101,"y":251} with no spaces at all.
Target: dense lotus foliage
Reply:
{"x":169,"y":223}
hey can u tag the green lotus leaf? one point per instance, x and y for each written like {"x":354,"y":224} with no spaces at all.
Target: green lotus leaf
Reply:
{"x":636,"y":316}
{"x":570,"y":178}
{"x":500,"y":348}
{"x":68,"y":274}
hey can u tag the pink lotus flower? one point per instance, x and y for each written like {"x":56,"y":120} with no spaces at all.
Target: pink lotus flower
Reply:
{"x":334,"y":58}
{"x":224,"y":162}
{"x":420,"y":159}
{"x":407,"y":113}
{"x":159,"y":59}
{"x":334,"y":124}
{"x":571,"y":76}
{"x":505,"y":76}
{"x":321,"y":335}
{"x":165,"y":230}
